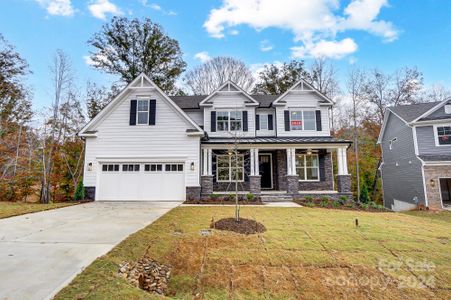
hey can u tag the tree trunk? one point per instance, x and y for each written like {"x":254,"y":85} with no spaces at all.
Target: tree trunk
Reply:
{"x":376,"y":178}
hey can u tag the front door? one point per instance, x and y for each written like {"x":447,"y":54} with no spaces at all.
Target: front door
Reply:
{"x":265,"y":165}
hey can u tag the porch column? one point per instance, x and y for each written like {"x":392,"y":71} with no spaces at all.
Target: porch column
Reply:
{"x":207,"y":173}
{"x":255,"y":178}
{"x":343,"y":178}
{"x":292,"y":178}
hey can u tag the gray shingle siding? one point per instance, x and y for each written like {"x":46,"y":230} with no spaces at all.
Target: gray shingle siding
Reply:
{"x":401,"y":170}
{"x":426,"y":142}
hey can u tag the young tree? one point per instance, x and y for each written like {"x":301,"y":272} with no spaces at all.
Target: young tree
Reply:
{"x":129,"y":47}
{"x":204,"y":79}
{"x":275,"y":79}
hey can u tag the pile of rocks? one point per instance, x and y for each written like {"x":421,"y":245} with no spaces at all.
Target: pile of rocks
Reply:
{"x":147,"y":274}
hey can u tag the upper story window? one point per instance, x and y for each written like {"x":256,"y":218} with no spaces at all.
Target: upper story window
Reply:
{"x":229,"y":120}
{"x":444,"y":135}
{"x":143,"y":112}
{"x":303,"y":120}
{"x":264,"y":121}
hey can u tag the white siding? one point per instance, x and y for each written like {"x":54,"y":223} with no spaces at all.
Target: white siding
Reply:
{"x":262,"y":132}
{"x":164,"y":141}
{"x":297,"y":101}
{"x":229,"y":102}
{"x":196,"y":115}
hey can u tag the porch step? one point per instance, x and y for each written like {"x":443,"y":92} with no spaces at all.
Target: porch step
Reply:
{"x":276,"y":198}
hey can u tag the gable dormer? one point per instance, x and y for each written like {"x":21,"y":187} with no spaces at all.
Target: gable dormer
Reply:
{"x":229,"y":111}
{"x":303,"y":111}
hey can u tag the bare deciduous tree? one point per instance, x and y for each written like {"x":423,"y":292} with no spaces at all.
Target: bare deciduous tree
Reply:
{"x":204,"y":79}
{"x":323,"y":76}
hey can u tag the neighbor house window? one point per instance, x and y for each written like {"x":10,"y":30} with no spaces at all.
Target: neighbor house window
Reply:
{"x":303,"y":120}
{"x":229,"y":120}
{"x":444,"y":135}
{"x":143,"y":112}
{"x":229,"y":168}
{"x":307,"y":166}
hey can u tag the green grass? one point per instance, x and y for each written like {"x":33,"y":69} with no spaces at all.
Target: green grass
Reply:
{"x":307,"y":253}
{"x":10,"y":209}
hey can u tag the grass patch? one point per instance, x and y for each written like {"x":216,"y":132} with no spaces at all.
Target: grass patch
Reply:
{"x":11,"y":209}
{"x":305,"y":253}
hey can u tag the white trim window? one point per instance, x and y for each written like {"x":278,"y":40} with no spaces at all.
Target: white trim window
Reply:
{"x":263,"y":119}
{"x":229,"y":120}
{"x":303,"y":120}
{"x":443,"y":135}
{"x":227,"y":169}
{"x":307,"y":167}
{"x":142,"y":112}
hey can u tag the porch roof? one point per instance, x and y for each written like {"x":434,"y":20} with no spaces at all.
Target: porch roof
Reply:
{"x":436,"y":157}
{"x":277,"y":140}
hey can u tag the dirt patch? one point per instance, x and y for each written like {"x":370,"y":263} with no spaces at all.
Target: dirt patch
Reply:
{"x":243,"y":226}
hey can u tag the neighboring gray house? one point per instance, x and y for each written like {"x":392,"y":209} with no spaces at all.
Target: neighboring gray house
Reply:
{"x":416,"y":155}
{"x":146,"y":145}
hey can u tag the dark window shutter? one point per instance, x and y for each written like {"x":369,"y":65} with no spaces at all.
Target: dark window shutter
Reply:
{"x":270,"y":122}
{"x":152,"y":111}
{"x":245,"y":120}
{"x":133,"y":112}
{"x":322,"y":169}
{"x":318,"y":121}
{"x":257,"y":122}
{"x":213,"y":121}
{"x":286,"y":114}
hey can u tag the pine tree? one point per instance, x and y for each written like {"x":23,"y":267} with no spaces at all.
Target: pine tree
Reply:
{"x":79,"y":192}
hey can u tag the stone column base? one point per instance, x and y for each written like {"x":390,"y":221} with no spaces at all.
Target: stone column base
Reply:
{"x":344,"y":183}
{"x":206,"y":183}
{"x":292,"y":184}
{"x":255,"y":184}
{"x":193,"y":192}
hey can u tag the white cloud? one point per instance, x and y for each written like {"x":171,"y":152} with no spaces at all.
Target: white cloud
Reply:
{"x":100,"y":8}
{"x":312,"y":22}
{"x":266,"y":46}
{"x":157,"y":7}
{"x":258,"y":67}
{"x":234,"y":32}
{"x":202,"y":56}
{"x":331,"y":49}
{"x":58,"y":7}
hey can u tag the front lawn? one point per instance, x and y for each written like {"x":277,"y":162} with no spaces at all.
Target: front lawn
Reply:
{"x":10,"y":209}
{"x":306,"y":253}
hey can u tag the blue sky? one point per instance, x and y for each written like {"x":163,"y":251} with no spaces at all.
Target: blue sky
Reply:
{"x":364,"y":33}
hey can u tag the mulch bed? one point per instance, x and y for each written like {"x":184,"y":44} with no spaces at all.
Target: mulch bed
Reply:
{"x":244,"y":226}
{"x":348,"y":206}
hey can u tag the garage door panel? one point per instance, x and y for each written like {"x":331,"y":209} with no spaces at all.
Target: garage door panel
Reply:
{"x":141,"y":185}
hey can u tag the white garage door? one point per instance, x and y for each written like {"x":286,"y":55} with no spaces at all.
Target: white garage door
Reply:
{"x":141,"y":181}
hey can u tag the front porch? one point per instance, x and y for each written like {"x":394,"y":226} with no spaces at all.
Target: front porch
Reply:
{"x":272,"y":171}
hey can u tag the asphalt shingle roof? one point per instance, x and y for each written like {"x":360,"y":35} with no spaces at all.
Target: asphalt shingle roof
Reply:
{"x":412,"y":111}
{"x":436,"y":157}
{"x":192,"y":102}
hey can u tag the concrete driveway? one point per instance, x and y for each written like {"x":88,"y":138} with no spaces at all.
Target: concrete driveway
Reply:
{"x":42,"y":252}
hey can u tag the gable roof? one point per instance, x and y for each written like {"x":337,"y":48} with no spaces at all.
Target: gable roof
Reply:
{"x":230,"y":85}
{"x":140,"y":80}
{"x":411,"y":112}
{"x":310,"y":88}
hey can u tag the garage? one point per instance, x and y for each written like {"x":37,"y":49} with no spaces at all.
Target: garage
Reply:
{"x":141,"y":181}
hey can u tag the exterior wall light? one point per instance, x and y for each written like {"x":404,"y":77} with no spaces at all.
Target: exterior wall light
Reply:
{"x":90,"y":166}
{"x":192,"y":166}
{"x":432,"y":182}
{"x":309,"y":151}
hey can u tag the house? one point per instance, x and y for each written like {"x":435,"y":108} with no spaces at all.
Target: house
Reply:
{"x":416,"y":155}
{"x":145,"y":145}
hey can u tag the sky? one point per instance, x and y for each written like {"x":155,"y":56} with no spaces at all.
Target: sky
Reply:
{"x":383,"y":34}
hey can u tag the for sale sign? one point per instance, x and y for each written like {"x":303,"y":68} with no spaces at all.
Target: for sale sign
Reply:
{"x":296,"y":123}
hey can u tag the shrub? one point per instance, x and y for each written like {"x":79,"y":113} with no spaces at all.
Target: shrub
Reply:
{"x":250,"y":197}
{"x":343,"y":199}
{"x":214,"y":196}
{"x":310,"y":204}
{"x":324,"y":203}
{"x":364,"y":205}
{"x":336,"y":204}
{"x":308,"y":198}
{"x":364,"y":197}
{"x":325,"y":198}
{"x":350,"y":204}
{"x":79,"y":191}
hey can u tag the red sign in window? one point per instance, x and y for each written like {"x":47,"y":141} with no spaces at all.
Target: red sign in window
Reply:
{"x":296,"y":123}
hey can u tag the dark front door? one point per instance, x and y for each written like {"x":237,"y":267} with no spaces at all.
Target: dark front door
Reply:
{"x":265,"y":165}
